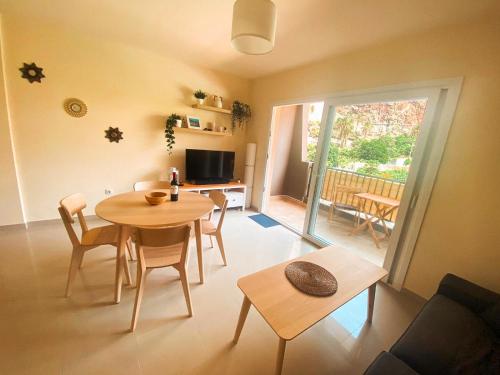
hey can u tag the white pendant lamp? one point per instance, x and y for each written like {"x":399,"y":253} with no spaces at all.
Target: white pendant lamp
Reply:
{"x":254,"y":26}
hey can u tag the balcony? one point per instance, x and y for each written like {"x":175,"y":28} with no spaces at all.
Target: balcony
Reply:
{"x":338,"y":229}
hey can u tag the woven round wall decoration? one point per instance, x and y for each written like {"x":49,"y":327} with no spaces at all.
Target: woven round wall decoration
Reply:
{"x":75,"y":107}
{"x":311,"y":279}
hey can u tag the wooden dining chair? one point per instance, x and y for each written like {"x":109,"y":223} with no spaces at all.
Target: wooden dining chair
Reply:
{"x":215,"y":230}
{"x":150,"y":185}
{"x":340,"y":191}
{"x":90,"y":238}
{"x":158,"y":248}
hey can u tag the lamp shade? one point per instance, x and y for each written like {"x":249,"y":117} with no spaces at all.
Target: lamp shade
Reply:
{"x":254,"y":26}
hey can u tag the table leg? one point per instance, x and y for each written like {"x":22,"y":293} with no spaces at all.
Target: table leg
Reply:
{"x":361,"y":226}
{"x":245,"y":306}
{"x":373,"y":234}
{"x":123,"y":234}
{"x":199,"y":249}
{"x":382,"y":213}
{"x":371,"y":302}
{"x":281,"y":356}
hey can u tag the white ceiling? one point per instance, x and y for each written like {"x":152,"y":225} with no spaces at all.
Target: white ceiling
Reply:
{"x":198,"y":31}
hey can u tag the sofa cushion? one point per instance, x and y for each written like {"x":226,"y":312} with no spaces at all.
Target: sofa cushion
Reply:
{"x":386,"y":364}
{"x":492,"y":317}
{"x":445,"y":338}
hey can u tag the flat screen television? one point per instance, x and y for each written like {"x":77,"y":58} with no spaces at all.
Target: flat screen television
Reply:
{"x":209,"y":167}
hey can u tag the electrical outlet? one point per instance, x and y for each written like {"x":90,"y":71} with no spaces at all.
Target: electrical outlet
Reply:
{"x":108,"y":191}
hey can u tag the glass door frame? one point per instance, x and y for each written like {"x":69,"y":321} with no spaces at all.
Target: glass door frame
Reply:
{"x":319,"y":168}
{"x":398,"y":259}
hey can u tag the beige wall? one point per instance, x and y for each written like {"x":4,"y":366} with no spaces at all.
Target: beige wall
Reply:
{"x":284,"y":120}
{"x":296,"y":172}
{"x":122,"y":86}
{"x":460,"y":228}
{"x":11,"y":201}
{"x":288,"y":171}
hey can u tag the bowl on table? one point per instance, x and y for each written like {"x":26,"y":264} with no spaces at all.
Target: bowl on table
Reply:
{"x":156,"y":197}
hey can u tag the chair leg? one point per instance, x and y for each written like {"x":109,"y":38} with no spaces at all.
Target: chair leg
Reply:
{"x":76,"y":256}
{"x":126,"y":270}
{"x":129,"y":249}
{"x":185,"y":288}
{"x":141,"y":278}
{"x":211,"y":242}
{"x":221,"y":246}
{"x":80,"y":260}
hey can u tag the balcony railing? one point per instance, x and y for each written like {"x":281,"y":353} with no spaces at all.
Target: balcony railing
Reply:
{"x":375,"y":185}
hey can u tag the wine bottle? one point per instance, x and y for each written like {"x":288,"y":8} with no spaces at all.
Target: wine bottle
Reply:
{"x":174,"y":188}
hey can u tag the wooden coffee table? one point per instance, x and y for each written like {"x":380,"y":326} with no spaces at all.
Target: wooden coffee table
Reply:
{"x":290,"y":312}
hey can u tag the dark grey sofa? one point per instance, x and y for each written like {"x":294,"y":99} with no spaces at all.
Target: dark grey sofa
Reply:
{"x":456,"y":332}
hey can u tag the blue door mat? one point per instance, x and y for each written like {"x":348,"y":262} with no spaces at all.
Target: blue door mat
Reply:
{"x":264,"y":220}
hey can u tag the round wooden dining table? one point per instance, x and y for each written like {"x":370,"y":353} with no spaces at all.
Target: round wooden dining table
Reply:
{"x":130,"y":210}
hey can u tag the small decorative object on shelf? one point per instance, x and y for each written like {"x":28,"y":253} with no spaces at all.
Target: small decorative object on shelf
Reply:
{"x":113,"y":134}
{"x":200,"y":96}
{"x":218,"y":101}
{"x":75,"y":107}
{"x":193,"y":122}
{"x":171,"y":122}
{"x":241,"y":114}
{"x":32,"y":73}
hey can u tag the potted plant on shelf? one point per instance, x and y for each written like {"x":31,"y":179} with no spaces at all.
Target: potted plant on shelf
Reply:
{"x":172,"y":121}
{"x":200,"y":96}
{"x":241,"y":113}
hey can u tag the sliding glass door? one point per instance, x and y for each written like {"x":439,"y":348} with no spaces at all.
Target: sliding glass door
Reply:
{"x":368,"y":155}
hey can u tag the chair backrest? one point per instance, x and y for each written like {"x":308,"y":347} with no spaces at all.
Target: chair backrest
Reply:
{"x":150,"y":185}
{"x":163,"y":237}
{"x":68,"y":207}
{"x":221,"y":201}
{"x":339,"y":190}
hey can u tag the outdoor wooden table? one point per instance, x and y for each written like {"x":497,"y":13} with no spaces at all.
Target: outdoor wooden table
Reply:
{"x":289,"y":311}
{"x":384,"y":207}
{"x":131,"y":210}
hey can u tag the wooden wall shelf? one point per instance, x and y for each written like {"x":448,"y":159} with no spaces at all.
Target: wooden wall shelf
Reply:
{"x":213,"y":109}
{"x":205,"y":132}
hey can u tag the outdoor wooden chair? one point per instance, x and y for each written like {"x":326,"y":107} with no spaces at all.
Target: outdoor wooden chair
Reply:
{"x":158,"y":248}
{"x":90,"y":238}
{"x":215,"y":230}
{"x":151,"y":185}
{"x":337,"y":203}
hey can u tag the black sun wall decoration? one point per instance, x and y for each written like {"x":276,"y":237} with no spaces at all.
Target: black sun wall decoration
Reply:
{"x":113,"y":134}
{"x":32,"y":73}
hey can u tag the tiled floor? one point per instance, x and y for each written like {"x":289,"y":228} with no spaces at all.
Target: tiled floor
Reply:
{"x":44,"y":333}
{"x":291,"y":212}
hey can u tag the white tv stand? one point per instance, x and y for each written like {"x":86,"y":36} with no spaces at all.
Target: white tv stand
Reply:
{"x":235,"y":192}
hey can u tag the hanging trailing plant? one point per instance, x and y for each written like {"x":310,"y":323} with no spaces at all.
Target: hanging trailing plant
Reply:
{"x":241,"y":113}
{"x":169,"y":131}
